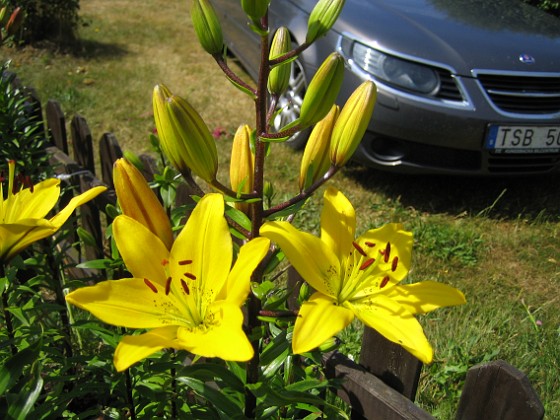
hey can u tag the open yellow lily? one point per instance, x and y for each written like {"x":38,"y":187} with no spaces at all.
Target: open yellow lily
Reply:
{"x":22,"y":213}
{"x":189,"y":297}
{"x":358,"y":277}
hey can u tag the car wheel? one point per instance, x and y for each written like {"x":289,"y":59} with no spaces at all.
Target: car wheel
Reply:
{"x":289,"y":106}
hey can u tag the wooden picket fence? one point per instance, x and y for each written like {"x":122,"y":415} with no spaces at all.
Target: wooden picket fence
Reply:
{"x":383,"y":384}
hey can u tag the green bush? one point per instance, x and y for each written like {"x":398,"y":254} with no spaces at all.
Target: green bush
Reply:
{"x":54,"y":20}
{"x":550,"y":6}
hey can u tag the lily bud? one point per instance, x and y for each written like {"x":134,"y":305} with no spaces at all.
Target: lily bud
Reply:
{"x":352,"y":123}
{"x":139,"y":201}
{"x":322,"y":91}
{"x":207,"y":26}
{"x":242,"y":163}
{"x":15,"y":21}
{"x":279,"y":77}
{"x":322,"y":18}
{"x":185,"y":138}
{"x":315,"y":161}
{"x":255,"y":9}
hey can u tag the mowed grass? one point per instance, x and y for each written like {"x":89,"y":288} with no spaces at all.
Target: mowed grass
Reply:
{"x":495,"y":239}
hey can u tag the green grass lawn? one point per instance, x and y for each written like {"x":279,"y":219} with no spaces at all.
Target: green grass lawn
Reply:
{"x":495,"y":239}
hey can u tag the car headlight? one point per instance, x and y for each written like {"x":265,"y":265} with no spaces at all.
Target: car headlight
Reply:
{"x":392,"y":70}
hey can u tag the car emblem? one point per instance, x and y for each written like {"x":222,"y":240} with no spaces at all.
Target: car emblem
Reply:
{"x":526,"y":59}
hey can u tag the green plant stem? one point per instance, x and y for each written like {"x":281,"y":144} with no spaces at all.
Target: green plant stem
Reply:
{"x":7,"y":314}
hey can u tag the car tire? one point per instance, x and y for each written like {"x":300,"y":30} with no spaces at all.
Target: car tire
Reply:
{"x":289,"y":106}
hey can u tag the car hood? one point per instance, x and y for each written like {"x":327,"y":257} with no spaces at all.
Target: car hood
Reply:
{"x":461,"y":34}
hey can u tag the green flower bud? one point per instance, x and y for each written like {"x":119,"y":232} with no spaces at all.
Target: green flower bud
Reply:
{"x":207,"y":26}
{"x":322,"y":91}
{"x":315,"y":161}
{"x":255,"y":9}
{"x":322,"y":18}
{"x":352,"y":123}
{"x":279,"y":77}
{"x":185,"y":138}
{"x":242,"y":162}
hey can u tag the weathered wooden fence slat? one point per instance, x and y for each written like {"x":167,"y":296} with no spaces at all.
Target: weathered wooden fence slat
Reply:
{"x":383,"y":385}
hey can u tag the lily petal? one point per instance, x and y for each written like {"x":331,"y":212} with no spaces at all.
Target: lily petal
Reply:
{"x":310,"y":256}
{"x":395,"y":323}
{"x":130,"y":303}
{"x":239,"y":279}
{"x":224,"y":338}
{"x":14,"y":238}
{"x":319,"y":319}
{"x":338,"y":222}
{"x":400,"y":246}
{"x":426,"y":296}
{"x":59,"y":219}
{"x":207,"y":239}
{"x":36,"y":204}
{"x":144,"y":254}
{"x":133,"y":348}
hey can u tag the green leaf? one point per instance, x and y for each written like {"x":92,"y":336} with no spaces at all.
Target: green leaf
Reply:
{"x":86,"y":237}
{"x":101,"y":264}
{"x":20,"y":407}
{"x":13,"y":368}
{"x":219,"y":400}
{"x":213,"y":372}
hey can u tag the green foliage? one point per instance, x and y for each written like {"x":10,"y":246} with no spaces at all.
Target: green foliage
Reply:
{"x":21,"y":128}
{"x":53,"y":20}
{"x":550,"y":6}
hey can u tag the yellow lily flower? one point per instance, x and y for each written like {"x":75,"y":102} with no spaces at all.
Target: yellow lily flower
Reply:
{"x":358,"y":277}
{"x":22,"y":213}
{"x":189,"y":297}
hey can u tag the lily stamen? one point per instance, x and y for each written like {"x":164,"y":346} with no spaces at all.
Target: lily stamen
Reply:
{"x":384,"y":282}
{"x":394,"y":264}
{"x":167,"y":286}
{"x":150,"y":285}
{"x":367,"y":263}
{"x":185,"y":262}
{"x":359,"y":248}
{"x":190,"y":276}
{"x":185,"y":287}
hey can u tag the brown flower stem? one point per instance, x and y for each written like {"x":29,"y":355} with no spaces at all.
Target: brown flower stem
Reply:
{"x":254,"y":304}
{"x":304,"y":195}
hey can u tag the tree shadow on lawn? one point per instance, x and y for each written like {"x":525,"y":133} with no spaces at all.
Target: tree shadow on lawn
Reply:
{"x":498,"y":198}
{"x":87,"y":48}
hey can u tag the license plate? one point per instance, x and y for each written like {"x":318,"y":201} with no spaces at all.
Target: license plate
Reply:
{"x":523,"y":139}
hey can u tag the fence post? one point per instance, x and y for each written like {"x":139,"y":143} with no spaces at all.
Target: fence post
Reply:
{"x":391,"y":363}
{"x":82,"y":143}
{"x":109,"y":152}
{"x":56,"y":125}
{"x":497,"y":390}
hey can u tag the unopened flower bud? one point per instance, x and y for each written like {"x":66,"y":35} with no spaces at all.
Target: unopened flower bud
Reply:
{"x":352,"y":123}
{"x":316,"y":160}
{"x":139,"y":201}
{"x":255,"y":9}
{"x":242,"y":163}
{"x":322,"y":91}
{"x":15,"y":21}
{"x":185,"y":138}
{"x":279,"y":77}
{"x":322,"y":18}
{"x":207,"y":26}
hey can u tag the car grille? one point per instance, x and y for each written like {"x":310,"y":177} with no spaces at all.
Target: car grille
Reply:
{"x":448,"y":88}
{"x":522,"y":164}
{"x":523,"y":94}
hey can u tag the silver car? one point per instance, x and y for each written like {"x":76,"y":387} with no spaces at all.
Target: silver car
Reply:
{"x":464,"y":87}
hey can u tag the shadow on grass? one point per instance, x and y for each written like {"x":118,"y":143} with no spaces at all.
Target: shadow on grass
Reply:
{"x":87,"y":48}
{"x":499,"y":198}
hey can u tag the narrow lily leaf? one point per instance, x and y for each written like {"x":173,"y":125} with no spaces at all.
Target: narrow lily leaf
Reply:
{"x":220,"y":400}
{"x":213,"y":372}
{"x":14,"y":366}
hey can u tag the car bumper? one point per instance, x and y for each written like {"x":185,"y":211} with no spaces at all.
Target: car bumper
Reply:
{"x":411,"y":136}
